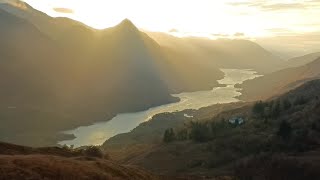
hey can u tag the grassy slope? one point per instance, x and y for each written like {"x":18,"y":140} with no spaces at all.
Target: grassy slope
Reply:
{"x":53,"y":163}
{"x":19,"y":162}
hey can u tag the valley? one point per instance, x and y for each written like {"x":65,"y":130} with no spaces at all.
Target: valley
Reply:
{"x":122,"y":123}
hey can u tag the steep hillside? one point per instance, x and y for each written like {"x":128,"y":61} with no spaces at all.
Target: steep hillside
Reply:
{"x":119,"y":64}
{"x":18,"y":162}
{"x":30,"y":75}
{"x":279,"y":82}
{"x":29,"y":60}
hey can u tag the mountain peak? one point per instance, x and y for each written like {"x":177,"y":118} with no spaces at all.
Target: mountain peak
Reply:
{"x":127,"y":25}
{"x":126,"y":22}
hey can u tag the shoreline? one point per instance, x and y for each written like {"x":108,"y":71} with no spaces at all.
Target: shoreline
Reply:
{"x":98,"y":133}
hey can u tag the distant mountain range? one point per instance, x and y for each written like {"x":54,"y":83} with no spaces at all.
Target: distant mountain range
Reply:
{"x":303,"y":60}
{"x":222,"y":53}
{"x":279,"y":82}
{"x":58,"y":74}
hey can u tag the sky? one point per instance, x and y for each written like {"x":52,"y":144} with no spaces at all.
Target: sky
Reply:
{"x":254,"y":18}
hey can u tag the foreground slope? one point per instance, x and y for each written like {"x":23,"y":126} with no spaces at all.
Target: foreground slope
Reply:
{"x":19,"y":162}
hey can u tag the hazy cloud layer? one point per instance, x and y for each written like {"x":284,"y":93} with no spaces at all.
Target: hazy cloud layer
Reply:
{"x":63,"y":10}
{"x":276,"y":6}
{"x":239,"y":34}
{"x":283,"y":6}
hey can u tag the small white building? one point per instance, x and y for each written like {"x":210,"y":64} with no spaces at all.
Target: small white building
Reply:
{"x":188,"y":116}
{"x":236,"y":120}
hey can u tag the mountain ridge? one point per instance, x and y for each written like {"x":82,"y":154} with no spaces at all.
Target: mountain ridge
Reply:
{"x":279,"y":82}
{"x":303,"y":60}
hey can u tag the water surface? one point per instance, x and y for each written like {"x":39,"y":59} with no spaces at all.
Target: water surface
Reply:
{"x":98,"y":133}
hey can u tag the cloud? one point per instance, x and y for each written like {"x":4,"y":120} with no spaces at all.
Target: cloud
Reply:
{"x":280,"y":31}
{"x":237,"y":35}
{"x":275,"y":6}
{"x":314,"y":1}
{"x":283,"y":6}
{"x":220,"y":35}
{"x":239,"y":3}
{"x":63,"y":10}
